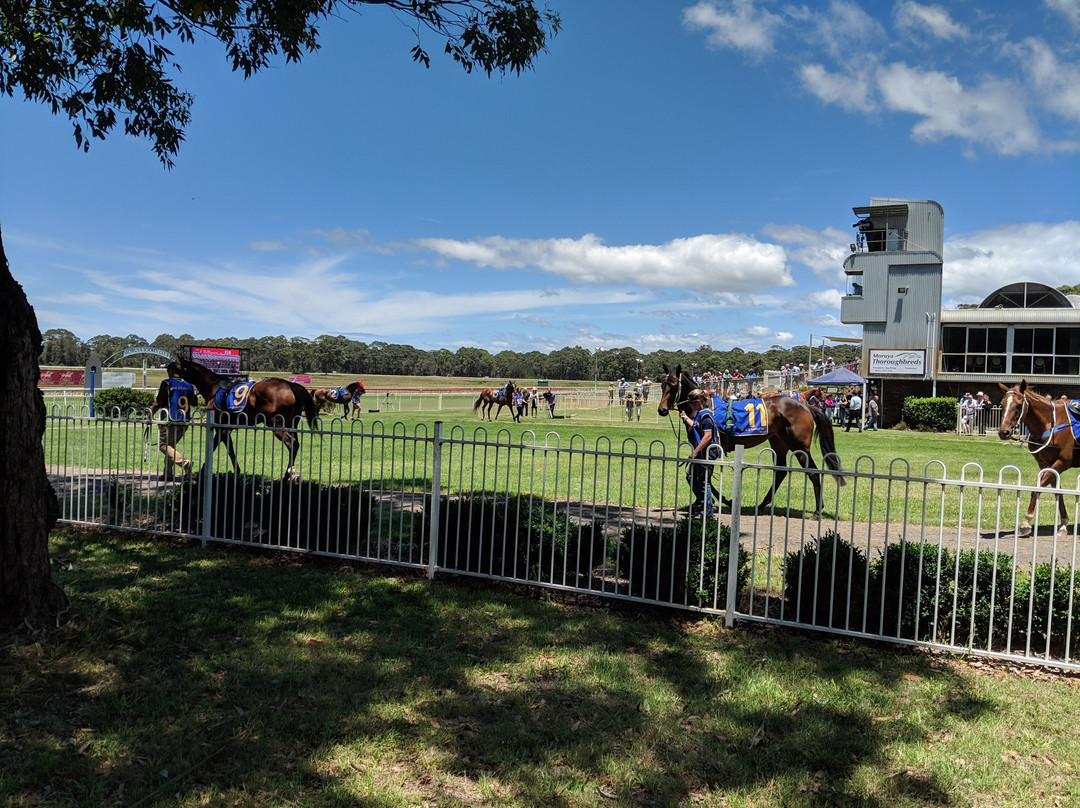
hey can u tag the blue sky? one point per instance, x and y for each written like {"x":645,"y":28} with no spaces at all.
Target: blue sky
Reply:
{"x":670,"y":175}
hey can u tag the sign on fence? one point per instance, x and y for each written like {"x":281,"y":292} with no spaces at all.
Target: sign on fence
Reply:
{"x":62,"y":378}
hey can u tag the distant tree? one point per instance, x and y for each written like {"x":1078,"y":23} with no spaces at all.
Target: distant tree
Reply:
{"x":1065,"y":289}
{"x":100,"y":62}
{"x":474,"y":362}
{"x":60,"y":347}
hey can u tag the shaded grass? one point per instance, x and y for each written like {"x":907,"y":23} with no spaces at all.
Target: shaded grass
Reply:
{"x":206,"y":677}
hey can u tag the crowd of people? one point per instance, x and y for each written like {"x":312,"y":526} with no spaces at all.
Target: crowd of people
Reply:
{"x":972,"y":410}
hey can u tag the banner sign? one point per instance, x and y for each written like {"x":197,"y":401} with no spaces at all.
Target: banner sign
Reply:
{"x":303,"y":379}
{"x":62,"y":378}
{"x":907,"y":362}
{"x":147,"y":349}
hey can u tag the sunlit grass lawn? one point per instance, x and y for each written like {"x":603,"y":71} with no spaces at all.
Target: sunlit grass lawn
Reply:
{"x":192,"y":677}
{"x":593,"y":456}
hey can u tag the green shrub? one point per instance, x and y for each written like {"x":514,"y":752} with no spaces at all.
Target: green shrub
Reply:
{"x":980,"y":586}
{"x":294,"y":513}
{"x":122,"y":402}
{"x":518,"y":537}
{"x":1051,"y":592}
{"x":930,"y":414}
{"x":686,"y":563}
{"x":903,"y":590}
{"x":825,"y":583}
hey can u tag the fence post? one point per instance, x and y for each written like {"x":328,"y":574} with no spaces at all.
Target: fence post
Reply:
{"x":207,"y":472}
{"x":733,"y":539}
{"x":436,"y":490}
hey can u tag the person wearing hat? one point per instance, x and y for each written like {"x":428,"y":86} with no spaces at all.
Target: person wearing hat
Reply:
{"x":534,"y":401}
{"x":701,"y":429}
{"x":175,"y":397}
{"x":549,"y":397}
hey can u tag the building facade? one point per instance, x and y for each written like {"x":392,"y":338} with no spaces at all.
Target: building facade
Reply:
{"x":911,"y":347}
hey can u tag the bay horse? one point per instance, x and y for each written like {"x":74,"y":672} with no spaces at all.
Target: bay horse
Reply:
{"x":326,"y":398}
{"x":276,"y":403}
{"x":489,"y":397}
{"x":1050,"y":440}
{"x":792,"y":427}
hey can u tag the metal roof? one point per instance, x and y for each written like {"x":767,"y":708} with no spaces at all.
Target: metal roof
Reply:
{"x":1018,"y":317}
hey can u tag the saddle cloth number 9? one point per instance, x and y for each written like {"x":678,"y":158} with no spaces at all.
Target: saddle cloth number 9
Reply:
{"x":238,"y":397}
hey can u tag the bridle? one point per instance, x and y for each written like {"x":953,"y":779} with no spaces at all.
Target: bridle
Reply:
{"x":678,"y":401}
{"x":1024,"y":406}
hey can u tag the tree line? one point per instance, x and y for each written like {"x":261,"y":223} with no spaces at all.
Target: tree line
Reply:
{"x":337,"y":354}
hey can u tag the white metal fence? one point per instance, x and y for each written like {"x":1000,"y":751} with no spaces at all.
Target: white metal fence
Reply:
{"x":916,"y":556}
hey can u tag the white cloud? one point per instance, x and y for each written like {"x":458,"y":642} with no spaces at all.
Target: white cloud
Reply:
{"x":735,"y":24}
{"x":844,"y":56}
{"x":978,"y":263}
{"x":823,"y":251}
{"x":993,"y":113}
{"x":712,"y":262}
{"x":1070,"y":8}
{"x":849,"y":92}
{"x":915,"y":18}
{"x":844,"y":30}
{"x":1057,"y":82}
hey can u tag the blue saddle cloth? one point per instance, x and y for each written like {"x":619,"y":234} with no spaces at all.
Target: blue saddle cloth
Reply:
{"x":337,"y":395}
{"x":1074,"y":422}
{"x":232,"y":399}
{"x":750,"y":416}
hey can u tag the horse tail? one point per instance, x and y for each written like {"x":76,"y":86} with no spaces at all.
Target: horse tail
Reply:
{"x":479,"y":401}
{"x":307,"y":401}
{"x":827,"y":441}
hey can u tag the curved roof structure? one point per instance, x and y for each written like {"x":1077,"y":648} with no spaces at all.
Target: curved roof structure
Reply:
{"x":1027,"y":295}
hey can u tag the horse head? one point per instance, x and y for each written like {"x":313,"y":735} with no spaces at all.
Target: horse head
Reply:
{"x":202,"y":377}
{"x":670,"y":390}
{"x":1014,"y":405}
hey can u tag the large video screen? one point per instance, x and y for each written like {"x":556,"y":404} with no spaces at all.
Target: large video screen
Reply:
{"x":225,"y":361}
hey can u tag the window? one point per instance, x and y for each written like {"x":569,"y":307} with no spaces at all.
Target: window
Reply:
{"x":985,"y":349}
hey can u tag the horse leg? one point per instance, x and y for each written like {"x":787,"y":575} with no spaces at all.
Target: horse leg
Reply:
{"x":1027,"y":528}
{"x":778,"y":477}
{"x":224,"y":436}
{"x":292,"y":443}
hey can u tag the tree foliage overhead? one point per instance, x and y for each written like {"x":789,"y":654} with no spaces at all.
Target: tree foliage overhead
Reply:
{"x":100,"y":62}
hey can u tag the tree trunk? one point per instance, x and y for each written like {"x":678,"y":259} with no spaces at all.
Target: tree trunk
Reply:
{"x":28,"y":507}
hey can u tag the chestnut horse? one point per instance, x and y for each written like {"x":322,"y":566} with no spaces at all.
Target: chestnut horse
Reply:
{"x":326,"y":398}
{"x":276,"y":403}
{"x":1050,"y":440}
{"x":792,"y":427}
{"x":489,"y":397}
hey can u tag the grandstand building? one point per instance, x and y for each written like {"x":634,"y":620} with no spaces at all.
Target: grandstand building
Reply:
{"x":911,"y":346}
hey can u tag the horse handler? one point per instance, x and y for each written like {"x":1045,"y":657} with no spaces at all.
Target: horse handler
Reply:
{"x":175,"y":396}
{"x":702,"y":432}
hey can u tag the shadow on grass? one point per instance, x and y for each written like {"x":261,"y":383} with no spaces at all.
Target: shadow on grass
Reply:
{"x":191,"y":676}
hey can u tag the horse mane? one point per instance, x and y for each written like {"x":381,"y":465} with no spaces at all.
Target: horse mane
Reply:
{"x":199,"y":375}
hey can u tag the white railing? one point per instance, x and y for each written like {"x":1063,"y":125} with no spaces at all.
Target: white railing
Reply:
{"x":915,"y":556}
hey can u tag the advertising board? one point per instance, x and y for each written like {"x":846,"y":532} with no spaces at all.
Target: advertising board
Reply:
{"x":902,"y":362}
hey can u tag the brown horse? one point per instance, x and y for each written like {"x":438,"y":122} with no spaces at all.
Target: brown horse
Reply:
{"x":792,"y":427}
{"x":489,"y":397}
{"x":277,"y":403}
{"x":1050,"y":440}
{"x":326,"y":398}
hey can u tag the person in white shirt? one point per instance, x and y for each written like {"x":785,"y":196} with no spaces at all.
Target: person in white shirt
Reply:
{"x":854,"y":411}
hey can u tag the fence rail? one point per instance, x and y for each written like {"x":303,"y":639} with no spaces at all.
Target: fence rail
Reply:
{"x":914,"y":556}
